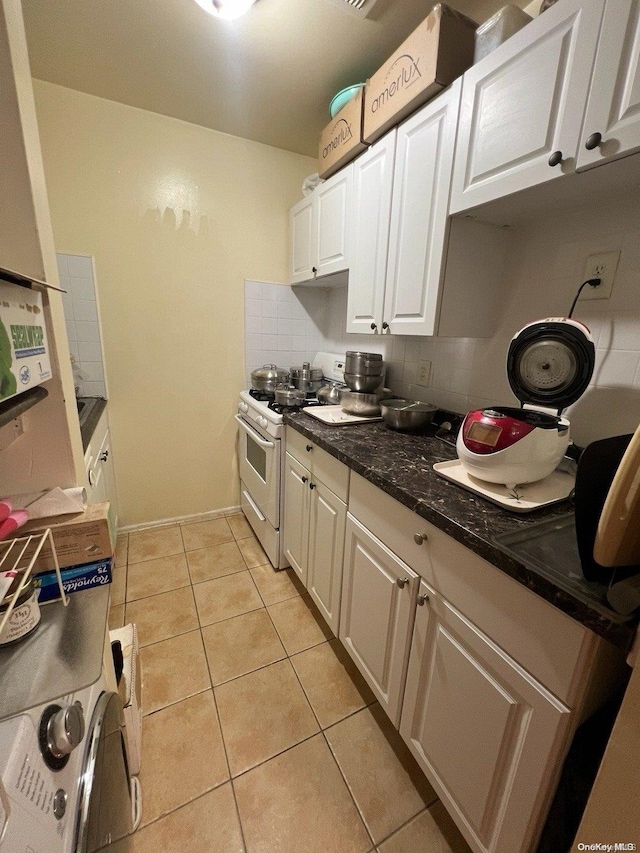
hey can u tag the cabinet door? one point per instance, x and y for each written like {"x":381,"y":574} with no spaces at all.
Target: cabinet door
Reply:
{"x":489,"y":737}
{"x":106,"y":460}
{"x":331,"y":230}
{"x":524,"y":102}
{"x":327,"y":517}
{"x":422,"y":180}
{"x":376,"y":615}
{"x":613,"y":109}
{"x":370,"y":218}
{"x":302,"y":241}
{"x":296,"y":515}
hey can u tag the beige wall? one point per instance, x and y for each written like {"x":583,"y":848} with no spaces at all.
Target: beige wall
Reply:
{"x":176,"y":216}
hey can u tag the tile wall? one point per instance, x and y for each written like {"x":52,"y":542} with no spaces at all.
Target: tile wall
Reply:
{"x":83,"y":326}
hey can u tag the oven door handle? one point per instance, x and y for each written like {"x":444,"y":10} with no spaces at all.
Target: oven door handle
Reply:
{"x":253,"y":506}
{"x":254,"y":435}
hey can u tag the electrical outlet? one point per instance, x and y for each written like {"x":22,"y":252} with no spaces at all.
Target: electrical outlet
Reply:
{"x":600,"y":266}
{"x":424,"y":373}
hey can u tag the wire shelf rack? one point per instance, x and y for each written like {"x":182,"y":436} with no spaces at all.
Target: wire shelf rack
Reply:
{"x":19,"y":555}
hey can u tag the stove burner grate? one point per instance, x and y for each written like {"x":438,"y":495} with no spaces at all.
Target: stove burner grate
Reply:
{"x":262,"y":396}
{"x":280,"y":408}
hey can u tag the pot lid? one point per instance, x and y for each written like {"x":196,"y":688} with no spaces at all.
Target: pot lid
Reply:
{"x":306,"y":372}
{"x":550,"y":362}
{"x":269,"y":372}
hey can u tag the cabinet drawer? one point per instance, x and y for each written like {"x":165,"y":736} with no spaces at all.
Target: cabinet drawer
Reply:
{"x":549,"y":644}
{"x":320,"y":464}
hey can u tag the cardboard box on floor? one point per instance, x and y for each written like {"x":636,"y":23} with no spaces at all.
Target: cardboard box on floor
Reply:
{"x":341,"y":140}
{"x":436,"y":53}
{"x":83,"y":537}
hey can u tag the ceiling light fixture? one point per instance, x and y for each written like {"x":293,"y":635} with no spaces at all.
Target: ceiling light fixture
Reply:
{"x":228,"y":9}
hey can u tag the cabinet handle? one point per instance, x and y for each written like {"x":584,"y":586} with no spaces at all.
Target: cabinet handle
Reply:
{"x":422,"y":600}
{"x":419,"y":538}
{"x":104,"y":456}
{"x":556,"y":158}
{"x":593,"y":141}
{"x":312,"y":485}
{"x":385,"y":325}
{"x":90,"y":476}
{"x":304,"y":479}
{"x":314,"y":269}
{"x":402,"y":582}
{"x":309,"y":448}
{"x":373,"y":327}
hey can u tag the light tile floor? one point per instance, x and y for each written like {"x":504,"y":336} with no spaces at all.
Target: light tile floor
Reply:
{"x":259,"y":734}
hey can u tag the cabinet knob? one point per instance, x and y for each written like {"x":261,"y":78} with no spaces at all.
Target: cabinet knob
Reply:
{"x":373,"y":327}
{"x":309,"y":448}
{"x":312,"y":485}
{"x":593,"y":141}
{"x":385,"y":325}
{"x":422,"y":600}
{"x":556,"y":158}
{"x":419,"y":538}
{"x":314,"y":269}
{"x":104,"y":456}
{"x":304,"y":479}
{"x":402,"y":582}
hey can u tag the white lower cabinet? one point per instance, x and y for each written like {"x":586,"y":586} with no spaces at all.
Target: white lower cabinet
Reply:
{"x":98,"y":460}
{"x":483,"y":730}
{"x":314,"y":524}
{"x":378,"y":605}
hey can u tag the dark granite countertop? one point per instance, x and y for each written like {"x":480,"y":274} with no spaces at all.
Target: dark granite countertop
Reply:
{"x":401,"y":464}
{"x":89,"y":422}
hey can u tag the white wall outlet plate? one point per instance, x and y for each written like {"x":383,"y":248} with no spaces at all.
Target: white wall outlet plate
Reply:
{"x":602,"y":266}
{"x":424,"y":373}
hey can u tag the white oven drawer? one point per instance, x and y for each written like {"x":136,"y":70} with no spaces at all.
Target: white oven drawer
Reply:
{"x":269,"y":538}
{"x":259,"y":466}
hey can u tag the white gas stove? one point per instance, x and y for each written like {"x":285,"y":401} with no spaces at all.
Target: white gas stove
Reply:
{"x":261,"y":460}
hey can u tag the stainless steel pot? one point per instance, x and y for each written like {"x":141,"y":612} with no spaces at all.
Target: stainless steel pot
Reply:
{"x":366,"y":405}
{"x":365,"y":363}
{"x":267,"y":377}
{"x":359,"y":382}
{"x":331,"y":394}
{"x":306,"y":378}
{"x":287,"y":395}
{"x":406,"y":414}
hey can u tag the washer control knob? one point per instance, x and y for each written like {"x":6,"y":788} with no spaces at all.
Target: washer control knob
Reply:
{"x":65,"y":730}
{"x":244,"y":407}
{"x":60,"y":803}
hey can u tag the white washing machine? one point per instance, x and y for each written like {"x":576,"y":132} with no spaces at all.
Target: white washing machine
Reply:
{"x":65,"y":784}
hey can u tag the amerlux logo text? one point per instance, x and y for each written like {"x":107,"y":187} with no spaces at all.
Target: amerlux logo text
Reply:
{"x":405,"y":72}
{"x":342,"y":131}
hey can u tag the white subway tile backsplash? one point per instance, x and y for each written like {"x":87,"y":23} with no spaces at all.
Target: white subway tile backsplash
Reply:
{"x":270,"y":343}
{"x":85,"y":310}
{"x":71,"y":330}
{"x":270,"y":292}
{"x":90,"y":351}
{"x":412,"y":349}
{"x":253,"y":325}
{"x":87,"y":331}
{"x":253,"y":290}
{"x":93,"y":371}
{"x":253,"y":308}
{"x":269,"y":308}
{"x":80,"y":266}
{"x":269,"y":325}
{"x":285,"y":309}
{"x":94,"y":389}
{"x":285,"y":327}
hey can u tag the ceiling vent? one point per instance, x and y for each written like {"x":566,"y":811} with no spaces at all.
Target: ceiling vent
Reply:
{"x":359,"y":8}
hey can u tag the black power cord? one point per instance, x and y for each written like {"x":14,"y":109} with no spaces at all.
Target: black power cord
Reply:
{"x":594,"y":282}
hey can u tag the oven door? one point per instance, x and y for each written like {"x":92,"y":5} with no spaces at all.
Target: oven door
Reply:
{"x":259,"y":463}
{"x":104,"y":805}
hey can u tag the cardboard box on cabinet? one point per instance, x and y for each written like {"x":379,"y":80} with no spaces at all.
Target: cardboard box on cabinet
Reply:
{"x":341,"y":140}
{"x":24,"y":351}
{"x":436,"y":53}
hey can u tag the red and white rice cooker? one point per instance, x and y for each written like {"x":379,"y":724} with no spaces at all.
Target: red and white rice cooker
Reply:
{"x":549,"y":364}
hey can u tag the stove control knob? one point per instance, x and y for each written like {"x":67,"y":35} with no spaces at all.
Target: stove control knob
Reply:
{"x":263,"y":422}
{"x":65,"y":730}
{"x":244,"y":407}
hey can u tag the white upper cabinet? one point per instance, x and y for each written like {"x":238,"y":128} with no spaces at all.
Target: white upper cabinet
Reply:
{"x":417,"y":243}
{"x":371,"y":215}
{"x":612,"y":122}
{"x":400,"y":227}
{"x":522,"y":106}
{"x":320,"y":230}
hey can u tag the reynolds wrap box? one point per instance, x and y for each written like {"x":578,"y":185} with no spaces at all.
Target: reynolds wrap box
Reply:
{"x":24,"y":352}
{"x":74,"y":579}
{"x":436,"y":53}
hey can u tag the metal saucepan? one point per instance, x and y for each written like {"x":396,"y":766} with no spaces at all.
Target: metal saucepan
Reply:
{"x":406,"y":414}
{"x":365,"y":405}
{"x":306,"y":378}
{"x":330,"y":394}
{"x":288,"y":395}
{"x":267,"y":377}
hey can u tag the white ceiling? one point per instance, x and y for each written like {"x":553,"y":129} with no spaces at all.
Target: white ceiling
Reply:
{"x":268,"y":76}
